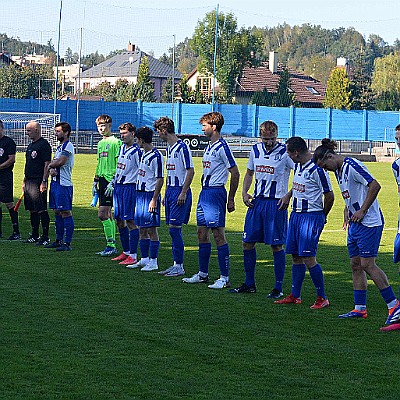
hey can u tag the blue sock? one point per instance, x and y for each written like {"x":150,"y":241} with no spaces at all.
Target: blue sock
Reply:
{"x":133,"y":241}
{"x":144,"y":247}
{"x":177,"y":244}
{"x":360,"y":297}
{"x":124,"y":238}
{"x":154,"y":246}
{"x":249,"y":261}
{"x":279,"y":268}
{"x":317,"y":277}
{"x":223,"y":259}
{"x":69,"y":228}
{"x":388,"y":294}
{"x":298,"y":275}
{"x":59,"y":227}
{"x":204,"y":256}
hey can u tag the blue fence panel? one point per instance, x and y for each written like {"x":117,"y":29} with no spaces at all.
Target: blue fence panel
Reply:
{"x":311,"y":123}
{"x":281,"y":115}
{"x":378,"y":121}
{"x":347,"y":125}
{"x":190,"y":115}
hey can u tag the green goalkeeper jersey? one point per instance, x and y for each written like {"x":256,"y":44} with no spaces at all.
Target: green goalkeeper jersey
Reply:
{"x":107,"y":157}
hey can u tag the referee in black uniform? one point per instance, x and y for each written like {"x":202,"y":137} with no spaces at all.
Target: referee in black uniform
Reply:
{"x":7,"y":161}
{"x":38,"y":157}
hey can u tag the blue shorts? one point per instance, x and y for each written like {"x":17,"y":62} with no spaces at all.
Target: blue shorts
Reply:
{"x":265,"y":223}
{"x":143,"y":217}
{"x":60,"y":197}
{"x":396,"y":249}
{"x":124,"y":201}
{"x":303,"y":233}
{"x":175,"y":214}
{"x":211,"y":207}
{"x":363,"y":241}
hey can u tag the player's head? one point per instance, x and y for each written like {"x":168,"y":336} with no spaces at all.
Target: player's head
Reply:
{"x":164,"y":126}
{"x":296,"y":147}
{"x":144,"y":135}
{"x":325,"y":155}
{"x":62,"y":131}
{"x":104,"y":123}
{"x":269,"y":134}
{"x":33,"y":130}
{"x":397,"y":135}
{"x":127,"y":132}
{"x":211,"y":122}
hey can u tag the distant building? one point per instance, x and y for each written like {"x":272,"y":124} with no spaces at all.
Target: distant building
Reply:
{"x":126,"y":66}
{"x":67,"y":75}
{"x":5,"y":60}
{"x":31,"y":59}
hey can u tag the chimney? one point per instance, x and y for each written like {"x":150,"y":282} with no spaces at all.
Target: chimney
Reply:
{"x":131,"y":47}
{"x":273,"y":62}
{"x":341,"y":62}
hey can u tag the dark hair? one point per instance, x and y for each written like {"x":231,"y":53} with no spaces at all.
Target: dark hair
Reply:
{"x":65,"y":126}
{"x":1,"y":124}
{"x":213,"y":118}
{"x":327,"y":146}
{"x":103,"y":119}
{"x":127,"y":126}
{"x":296,"y":143}
{"x":397,"y":127}
{"x":269,"y":126}
{"x":145,"y":133}
{"x":164,"y":123}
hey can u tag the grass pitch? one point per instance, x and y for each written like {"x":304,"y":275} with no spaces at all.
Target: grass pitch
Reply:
{"x":78,"y":326}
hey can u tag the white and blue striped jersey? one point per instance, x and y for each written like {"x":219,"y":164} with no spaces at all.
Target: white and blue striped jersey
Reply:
{"x":151,"y":168}
{"x":217,"y":160}
{"x":64,"y":173}
{"x":353,"y":179}
{"x":179,"y":160}
{"x":396,"y":173}
{"x":127,"y":164}
{"x":310,"y":182}
{"x":271,"y":170}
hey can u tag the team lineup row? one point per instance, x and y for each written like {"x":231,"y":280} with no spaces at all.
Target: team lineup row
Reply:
{"x":130,"y":175}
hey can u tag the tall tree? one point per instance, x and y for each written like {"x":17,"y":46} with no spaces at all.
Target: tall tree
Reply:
{"x":338,"y":92}
{"x":236,"y":48}
{"x":386,"y":82}
{"x":284,"y":96}
{"x":144,"y":87}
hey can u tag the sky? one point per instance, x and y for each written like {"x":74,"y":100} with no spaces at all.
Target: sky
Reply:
{"x":104,"y":26}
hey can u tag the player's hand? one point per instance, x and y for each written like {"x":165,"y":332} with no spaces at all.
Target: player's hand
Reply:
{"x":43,"y":187}
{"x":283,"y":202}
{"x":153,"y":206}
{"x":181,"y":199}
{"x":231,"y":205}
{"x":345,"y":224}
{"x":247,"y":200}
{"x":109,"y":190}
{"x":357,"y":216}
{"x":53,"y":172}
{"x":95,"y":188}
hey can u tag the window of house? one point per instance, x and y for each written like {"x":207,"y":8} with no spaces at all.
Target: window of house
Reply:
{"x":312,"y":90}
{"x":111,"y":63}
{"x":205,"y":85}
{"x":86,"y":86}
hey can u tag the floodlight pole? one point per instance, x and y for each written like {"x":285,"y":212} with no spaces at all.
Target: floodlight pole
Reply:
{"x":78,"y":97}
{"x":215,"y":56}
{"x":58,"y":56}
{"x":173,"y":80}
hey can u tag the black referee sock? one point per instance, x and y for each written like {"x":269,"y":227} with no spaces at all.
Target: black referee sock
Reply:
{"x":35,"y":222}
{"x":45,"y":218}
{"x":14,"y":219}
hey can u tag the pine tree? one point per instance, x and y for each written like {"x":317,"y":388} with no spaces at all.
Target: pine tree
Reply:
{"x":144,"y":87}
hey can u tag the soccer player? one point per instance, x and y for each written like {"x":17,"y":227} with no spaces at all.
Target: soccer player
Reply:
{"x":125,"y":194}
{"x":148,"y":199}
{"x":364,"y":220}
{"x":38,"y":157}
{"x":265,"y":222}
{"x":178,"y":195}
{"x":8,"y":150}
{"x":312,"y":200}
{"x":107,"y":155}
{"x":61,"y":189}
{"x":218,"y":162}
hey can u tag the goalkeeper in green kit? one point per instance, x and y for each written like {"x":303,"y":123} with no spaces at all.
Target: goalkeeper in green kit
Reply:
{"x":107,"y":156}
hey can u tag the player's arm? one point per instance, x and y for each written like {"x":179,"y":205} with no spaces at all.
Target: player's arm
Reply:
{"x":157,"y":191}
{"x":9,"y":162}
{"x":58,"y":162}
{"x":235,"y":176}
{"x":43,"y":185}
{"x":284,"y":202}
{"x":186,"y":185}
{"x":248,"y":179}
{"x":328,"y":202}
{"x":373,"y":189}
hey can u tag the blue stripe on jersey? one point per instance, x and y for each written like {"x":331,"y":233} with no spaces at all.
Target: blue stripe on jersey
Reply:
{"x":186,"y":155}
{"x":228,"y":153}
{"x":362,"y":171}
{"x":256,"y":151}
{"x":396,"y":169}
{"x":324,"y":181}
{"x":206,"y":183}
{"x":304,"y":205}
{"x":272,"y":190}
{"x":159,"y":163}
